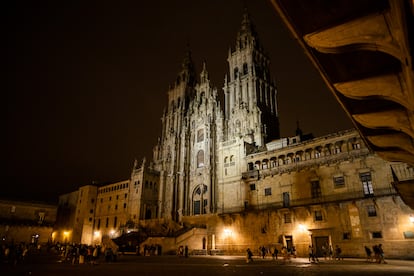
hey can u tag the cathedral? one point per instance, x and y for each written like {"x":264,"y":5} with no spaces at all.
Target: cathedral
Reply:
{"x":221,"y":178}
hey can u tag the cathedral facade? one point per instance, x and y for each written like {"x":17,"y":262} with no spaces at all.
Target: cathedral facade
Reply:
{"x":224,"y":170}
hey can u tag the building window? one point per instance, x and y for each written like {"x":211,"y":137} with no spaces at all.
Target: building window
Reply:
{"x":253,"y":187}
{"x":346,"y":236}
{"x":245,"y":69}
{"x":356,"y":145}
{"x":337,"y":150}
{"x":372,"y":212}
{"x":90,"y":219}
{"x":408,"y":234}
{"x":287,"y":218}
{"x":107,"y":222}
{"x":200,"y":201}
{"x":200,"y":135}
{"x":99,"y":224}
{"x":367,"y":184}
{"x":200,"y":159}
{"x":318,"y":215}
{"x":376,"y":235}
{"x":116,"y":206}
{"x":115,"y":221}
{"x":268,"y":191}
{"x":286,"y":199}
{"x":318,"y":154}
{"x":125,"y":205}
{"x":339,"y":182}
{"x":91,"y":211}
{"x":315,"y":189}
{"x":13,"y":209}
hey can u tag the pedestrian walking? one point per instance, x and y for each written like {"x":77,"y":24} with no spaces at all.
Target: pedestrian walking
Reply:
{"x":368,"y":252}
{"x":263,"y":249}
{"x":381,"y":254}
{"x":249,"y":255}
{"x":275,"y":252}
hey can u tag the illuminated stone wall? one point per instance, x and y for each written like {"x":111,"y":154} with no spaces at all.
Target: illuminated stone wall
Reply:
{"x":28,"y":222}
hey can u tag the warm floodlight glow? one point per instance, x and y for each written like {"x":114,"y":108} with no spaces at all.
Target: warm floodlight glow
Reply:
{"x":227,"y":232}
{"x":66,"y":233}
{"x":412,"y":218}
{"x":302,"y":227}
{"x":97,"y":233}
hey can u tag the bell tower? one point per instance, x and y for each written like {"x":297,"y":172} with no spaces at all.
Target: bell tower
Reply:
{"x":250,"y":95}
{"x":170,"y":153}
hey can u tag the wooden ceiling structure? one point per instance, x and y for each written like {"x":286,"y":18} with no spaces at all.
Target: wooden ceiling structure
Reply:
{"x":363,"y":49}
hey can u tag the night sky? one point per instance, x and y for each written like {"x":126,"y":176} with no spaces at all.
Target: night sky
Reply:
{"x":86,"y":83}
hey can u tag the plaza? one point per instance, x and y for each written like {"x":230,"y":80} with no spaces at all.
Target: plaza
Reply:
{"x":45,"y":264}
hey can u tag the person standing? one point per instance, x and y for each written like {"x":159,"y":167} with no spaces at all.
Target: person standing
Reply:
{"x":338,"y":253}
{"x":186,"y":251}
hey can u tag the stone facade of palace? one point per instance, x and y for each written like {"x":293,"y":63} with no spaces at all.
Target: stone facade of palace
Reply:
{"x":28,"y":222}
{"x":221,"y":179}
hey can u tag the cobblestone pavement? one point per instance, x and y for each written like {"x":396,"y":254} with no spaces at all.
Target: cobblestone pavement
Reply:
{"x":44,"y":265}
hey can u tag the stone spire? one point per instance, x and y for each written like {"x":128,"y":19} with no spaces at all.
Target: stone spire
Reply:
{"x":187,"y":73}
{"x":204,"y":74}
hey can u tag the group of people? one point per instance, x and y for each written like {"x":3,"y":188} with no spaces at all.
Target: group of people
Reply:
{"x":82,"y":253}
{"x":285,"y":253}
{"x":15,"y":253}
{"x":378,"y":256}
{"x":374,"y":255}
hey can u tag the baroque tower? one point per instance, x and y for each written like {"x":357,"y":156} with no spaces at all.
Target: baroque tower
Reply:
{"x":170,"y":153}
{"x":250,"y":94}
{"x":251,"y":117}
{"x":201,"y":152}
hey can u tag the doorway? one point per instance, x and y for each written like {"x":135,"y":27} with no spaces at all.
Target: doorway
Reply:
{"x":319,"y":242}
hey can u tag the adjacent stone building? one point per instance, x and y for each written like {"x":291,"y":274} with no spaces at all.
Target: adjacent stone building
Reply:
{"x":28,"y":222}
{"x":221,"y":179}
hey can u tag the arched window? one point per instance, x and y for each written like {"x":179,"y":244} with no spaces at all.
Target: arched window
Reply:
{"x":265,"y":164}
{"x":245,"y":69}
{"x":200,"y":200}
{"x":200,"y":159}
{"x":200,"y":135}
{"x":226,"y":159}
{"x":236,"y":73}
